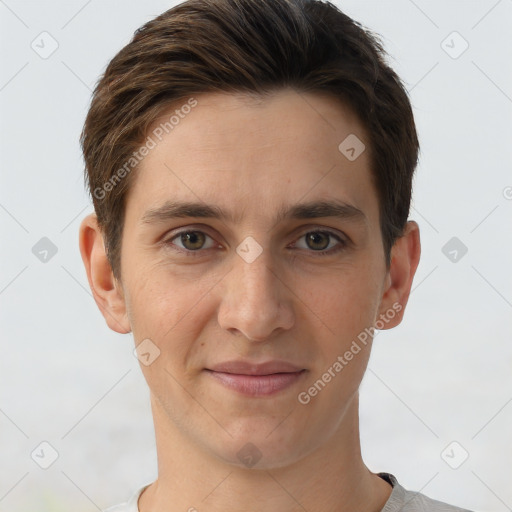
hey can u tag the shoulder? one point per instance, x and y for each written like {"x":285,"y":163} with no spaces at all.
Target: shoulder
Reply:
{"x":123,"y":507}
{"x":130,"y":505}
{"x":417,"y":502}
{"x":410,"y":501}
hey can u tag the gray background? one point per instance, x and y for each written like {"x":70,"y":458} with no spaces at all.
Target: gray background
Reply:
{"x":444,"y":375}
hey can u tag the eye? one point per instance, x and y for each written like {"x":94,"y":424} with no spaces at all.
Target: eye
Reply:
{"x":318,"y":242}
{"x":190,"y":240}
{"x":321,"y":242}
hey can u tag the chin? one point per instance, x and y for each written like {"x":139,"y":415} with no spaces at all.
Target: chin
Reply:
{"x":259,"y":445}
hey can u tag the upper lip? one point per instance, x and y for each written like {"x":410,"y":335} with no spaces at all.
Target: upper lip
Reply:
{"x":247,"y":368}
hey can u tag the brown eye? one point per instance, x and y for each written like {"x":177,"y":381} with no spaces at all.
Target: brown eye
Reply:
{"x":192,"y":240}
{"x":317,"y":240}
{"x":321,"y":242}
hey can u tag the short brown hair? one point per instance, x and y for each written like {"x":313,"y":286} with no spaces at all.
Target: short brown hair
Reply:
{"x":252,"y":46}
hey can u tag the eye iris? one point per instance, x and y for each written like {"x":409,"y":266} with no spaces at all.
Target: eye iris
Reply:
{"x":317,"y":238}
{"x":194,"y":240}
{"x":194,"y":237}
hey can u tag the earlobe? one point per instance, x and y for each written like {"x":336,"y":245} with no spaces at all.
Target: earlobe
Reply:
{"x":405,"y":256}
{"x":105,"y":289}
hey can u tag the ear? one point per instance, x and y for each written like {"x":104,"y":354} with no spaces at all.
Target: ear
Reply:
{"x":106,"y":290}
{"x":405,"y":256}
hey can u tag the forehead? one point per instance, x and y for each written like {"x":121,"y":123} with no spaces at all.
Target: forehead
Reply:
{"x":252,"y":156}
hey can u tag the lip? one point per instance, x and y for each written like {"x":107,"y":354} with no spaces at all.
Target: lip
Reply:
{"x":246,"y":368}
{"x":256,"y":379}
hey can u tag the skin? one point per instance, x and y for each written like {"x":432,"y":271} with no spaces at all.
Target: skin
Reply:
{"x":251,"y":157}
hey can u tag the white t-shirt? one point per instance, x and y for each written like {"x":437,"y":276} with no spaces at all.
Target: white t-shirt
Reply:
{"x":400,"y":500}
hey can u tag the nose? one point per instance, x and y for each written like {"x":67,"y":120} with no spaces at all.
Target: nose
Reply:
{"x":256,"y":300}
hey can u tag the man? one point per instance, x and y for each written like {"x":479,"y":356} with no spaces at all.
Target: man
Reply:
{"x":250,"y":164}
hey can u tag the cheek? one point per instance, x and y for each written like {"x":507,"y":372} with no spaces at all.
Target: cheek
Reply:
{"x":344,"y":301}
{"x":168,"y":310}
{"x":146,"y":304}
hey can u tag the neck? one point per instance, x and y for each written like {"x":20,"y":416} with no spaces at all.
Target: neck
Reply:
{"x":333,"y":477}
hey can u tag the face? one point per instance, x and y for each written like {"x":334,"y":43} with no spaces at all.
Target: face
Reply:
{"x":251,"y":293}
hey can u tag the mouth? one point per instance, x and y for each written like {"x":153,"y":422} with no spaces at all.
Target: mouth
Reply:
{"x":256,"y":379}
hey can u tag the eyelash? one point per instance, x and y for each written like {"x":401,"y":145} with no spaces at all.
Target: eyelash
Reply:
{"x":190,"y":253}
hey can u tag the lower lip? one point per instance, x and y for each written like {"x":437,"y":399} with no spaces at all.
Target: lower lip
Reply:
{"x":257,"y":385}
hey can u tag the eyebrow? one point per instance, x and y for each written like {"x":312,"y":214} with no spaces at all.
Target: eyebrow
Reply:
{"x":309,"y":210}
